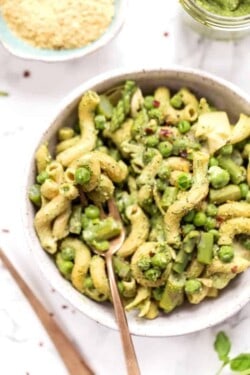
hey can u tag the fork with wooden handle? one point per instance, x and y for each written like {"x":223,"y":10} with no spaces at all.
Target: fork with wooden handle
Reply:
{"x":114,"y":245}
{"x":69,"y":355}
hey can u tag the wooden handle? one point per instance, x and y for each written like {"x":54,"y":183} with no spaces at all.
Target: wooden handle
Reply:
{"x":128,"y":347}
{"x":71,"y":358}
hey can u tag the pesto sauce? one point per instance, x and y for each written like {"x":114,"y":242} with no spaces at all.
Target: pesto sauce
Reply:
{"x":227,"y":8}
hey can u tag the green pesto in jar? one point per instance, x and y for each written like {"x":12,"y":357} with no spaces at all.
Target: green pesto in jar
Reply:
{"x":226,"y":8}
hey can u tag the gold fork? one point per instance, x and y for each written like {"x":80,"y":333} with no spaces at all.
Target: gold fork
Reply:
{"x":115,"y":245}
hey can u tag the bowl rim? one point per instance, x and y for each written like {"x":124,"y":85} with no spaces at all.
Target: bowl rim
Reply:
{"x":57,"y":281}
{"x":72,"y":54}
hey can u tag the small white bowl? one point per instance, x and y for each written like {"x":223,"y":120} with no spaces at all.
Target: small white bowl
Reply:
{"x":20,"y":48}
{"x":188,"y":318}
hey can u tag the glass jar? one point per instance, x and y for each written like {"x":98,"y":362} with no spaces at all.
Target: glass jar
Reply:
{"x":213,"y":25}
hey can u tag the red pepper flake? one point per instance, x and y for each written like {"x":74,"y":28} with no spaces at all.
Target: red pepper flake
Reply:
{"x":40,"y":343}
{"x":166,"y":34}
{"x":219,"y":220}
{"x":149,"y":131}
{"x":165,"y":132}
{"x":234,"y":269}
{"x":27,"y":373}
{"x":156,"y":103}
{"x":4,"y":230}
{"x":26,"y":74}
{"x":64,"y":307}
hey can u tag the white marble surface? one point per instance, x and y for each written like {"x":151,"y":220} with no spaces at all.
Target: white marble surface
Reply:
{"x":152,"y":35}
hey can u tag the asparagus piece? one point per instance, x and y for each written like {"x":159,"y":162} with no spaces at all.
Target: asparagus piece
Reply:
{"x":121,"y":267}
{"x":227,"y":193}
{"x":233,"y":169}
{"x":181,"y":261}
{"x":190,"y":240}
{"x":173,"y":293}
{"x":123,"y":106}
{"x":205,"y":248}
{"x":169,"y":196}
{"x":102,"y":230}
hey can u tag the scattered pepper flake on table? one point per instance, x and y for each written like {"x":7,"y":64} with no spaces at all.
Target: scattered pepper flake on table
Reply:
{"x":26,"y":74}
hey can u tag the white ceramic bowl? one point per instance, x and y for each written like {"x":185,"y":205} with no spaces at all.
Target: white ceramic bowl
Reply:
{"x":20,"y":48}
{"x":188,"y":318}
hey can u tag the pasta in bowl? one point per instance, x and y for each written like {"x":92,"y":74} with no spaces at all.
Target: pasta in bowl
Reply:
{"x":174,"y":154}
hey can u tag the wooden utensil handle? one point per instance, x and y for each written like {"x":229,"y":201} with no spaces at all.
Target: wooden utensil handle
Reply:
{"x":128,"y":347}
{"x":71,"y":358}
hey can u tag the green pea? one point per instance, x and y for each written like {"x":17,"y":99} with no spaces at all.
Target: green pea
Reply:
{"x":184,"y":181}
{"x":244,"y":189}
{"x":144,"y":263}
{"x":148,"y":102}
{"x":152,"y":274}
{"x":65,"y":266}
{"x":92,"y":212}
{"x":213,"y":162}
{"x":176,"y":101}
{"x":82,"y":175}
{"x":226,"y":150}
{"x":184,"y":126}
{"x":88,"y":283}
{"x":165,"y":148}
{"x":100,"y":122}
{"x":211,"y":210}
{"x":192,"y":286}
{"x":200,"y":219}
{"x":42,"y":177}
{"x":68,"y":253}
{"x":187,"y":228}
{"x":159,"y":260}
{"x":35,"y":194}
{"x":151,"y":141}
{"x":189,"y":217}
{"x":211,"y":223}
{"x":226,"y":253}
{"x":218,"y":177}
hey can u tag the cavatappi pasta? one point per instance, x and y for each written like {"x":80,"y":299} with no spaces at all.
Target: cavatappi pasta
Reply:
{"x":180,"y":174}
